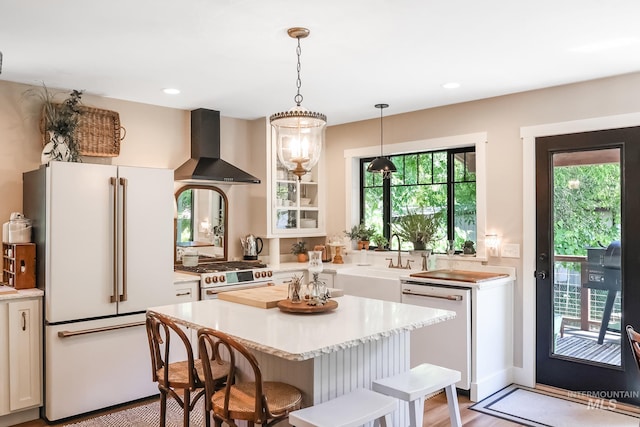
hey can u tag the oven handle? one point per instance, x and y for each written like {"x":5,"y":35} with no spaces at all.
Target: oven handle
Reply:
{"x":216,"y":291}
{"x":67,"y":334}
{"x":447,"y":297}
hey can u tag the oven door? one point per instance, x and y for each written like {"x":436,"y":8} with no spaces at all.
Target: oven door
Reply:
{"x":212,"y":292}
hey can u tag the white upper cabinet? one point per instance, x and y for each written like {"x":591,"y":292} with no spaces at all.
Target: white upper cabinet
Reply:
{"x":296,"y":208}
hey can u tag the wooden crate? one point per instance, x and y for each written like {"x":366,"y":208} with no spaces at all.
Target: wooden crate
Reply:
{"x":19,"y":265}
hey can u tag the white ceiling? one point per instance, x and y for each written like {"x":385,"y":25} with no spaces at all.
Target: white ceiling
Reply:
{"x":235,"y":55}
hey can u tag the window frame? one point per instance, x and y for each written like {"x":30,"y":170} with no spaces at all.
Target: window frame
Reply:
{"x":387,"y":186}
{"x":352,"y":173}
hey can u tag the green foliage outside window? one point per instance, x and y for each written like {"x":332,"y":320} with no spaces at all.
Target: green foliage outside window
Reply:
{"x":422,"y":183}
{"x":587,"y":207}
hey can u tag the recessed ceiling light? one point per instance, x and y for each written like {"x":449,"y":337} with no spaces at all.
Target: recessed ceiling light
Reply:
{"x":451,"y":85}
{"x":609,"y":44}
{"x":171,"y":91}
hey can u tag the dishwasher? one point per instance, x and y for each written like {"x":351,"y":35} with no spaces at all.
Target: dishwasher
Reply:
{"x":447,"y":343}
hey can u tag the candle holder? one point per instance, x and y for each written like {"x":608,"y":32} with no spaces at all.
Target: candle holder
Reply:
{"x":318,"y":291}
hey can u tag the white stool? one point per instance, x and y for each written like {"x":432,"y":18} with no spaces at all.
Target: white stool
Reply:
{"x":412,"y":386}
{"x":349,"y":410}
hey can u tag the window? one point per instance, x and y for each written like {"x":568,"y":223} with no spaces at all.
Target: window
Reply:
{"x":433,"y":181}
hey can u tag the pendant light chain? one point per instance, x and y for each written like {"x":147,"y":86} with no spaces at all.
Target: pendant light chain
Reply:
{"x":298,"y":97}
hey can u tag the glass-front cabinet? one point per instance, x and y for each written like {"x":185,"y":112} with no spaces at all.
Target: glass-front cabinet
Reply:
{"x":297,"y":206}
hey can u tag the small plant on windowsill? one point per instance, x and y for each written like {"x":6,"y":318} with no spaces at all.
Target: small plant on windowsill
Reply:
{"x":361,"y":234}
{"x":380,"y":241}
{"x":300,"y":250}
{"x":418,"y":227}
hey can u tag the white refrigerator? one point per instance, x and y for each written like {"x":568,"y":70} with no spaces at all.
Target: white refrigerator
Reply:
{"x":104,"y":237}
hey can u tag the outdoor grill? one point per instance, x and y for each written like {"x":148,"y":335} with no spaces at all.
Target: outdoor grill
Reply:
{"x":603,"y":273}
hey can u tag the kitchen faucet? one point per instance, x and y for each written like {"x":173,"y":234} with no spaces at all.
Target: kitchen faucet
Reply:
{"x":408,"y":267}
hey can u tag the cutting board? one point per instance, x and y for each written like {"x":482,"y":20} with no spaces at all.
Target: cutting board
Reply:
{"x":459,"y":275}
{"x":265,"y":297}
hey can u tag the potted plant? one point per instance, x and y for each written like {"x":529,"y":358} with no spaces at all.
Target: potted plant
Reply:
{"x":467,"y":248}
{"x":380,"y":241}
{"x":418,"y":228}
{"x":300,"y":250}
{"x":60,"y":122}
{"x":361,"y":234}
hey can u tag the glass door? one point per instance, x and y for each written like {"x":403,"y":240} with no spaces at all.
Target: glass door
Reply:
{"x":585,"y":290}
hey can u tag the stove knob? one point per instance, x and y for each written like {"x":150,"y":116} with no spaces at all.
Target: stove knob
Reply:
{"x":222,"y":278}
{"x":214,"y":279}
{"x":263,"y":274}
{"x":207,"y":280}
{"x":269,"y":273}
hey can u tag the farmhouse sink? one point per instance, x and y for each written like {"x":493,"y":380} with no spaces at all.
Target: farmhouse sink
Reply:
{"x":369,"y":271}
{"x":371,"y":282}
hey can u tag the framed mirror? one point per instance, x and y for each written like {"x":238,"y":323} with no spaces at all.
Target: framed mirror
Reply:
{"x":201,"y":221}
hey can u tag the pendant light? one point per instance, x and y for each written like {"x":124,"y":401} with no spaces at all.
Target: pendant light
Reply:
{"x":299,"y":133}
{"x":382,"y":164}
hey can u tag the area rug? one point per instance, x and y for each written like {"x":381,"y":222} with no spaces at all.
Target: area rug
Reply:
{"x":146,"y":415}
{"x":529,"y":407}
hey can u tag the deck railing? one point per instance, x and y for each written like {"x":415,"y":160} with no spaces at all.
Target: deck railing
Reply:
{"x":578,"y":305}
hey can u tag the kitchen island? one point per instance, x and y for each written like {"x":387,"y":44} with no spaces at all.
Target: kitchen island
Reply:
{"x":325,"y":354}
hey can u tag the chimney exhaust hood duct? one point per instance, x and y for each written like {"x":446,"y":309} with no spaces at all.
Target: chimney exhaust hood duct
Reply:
{"x":205,"y":164}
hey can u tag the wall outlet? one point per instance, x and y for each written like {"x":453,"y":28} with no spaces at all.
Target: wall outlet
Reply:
{"x":510,"y":250}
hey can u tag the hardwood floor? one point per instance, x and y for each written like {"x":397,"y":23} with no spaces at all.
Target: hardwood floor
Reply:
{"x":436,"y":415}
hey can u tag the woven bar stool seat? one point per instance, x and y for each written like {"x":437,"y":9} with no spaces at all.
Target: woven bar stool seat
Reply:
{"x":349,"y":410}
{"x":412,"y":386}
{"x":258,"y":402}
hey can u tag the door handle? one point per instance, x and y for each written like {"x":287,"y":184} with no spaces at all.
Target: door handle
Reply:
{"x":114,"y":293}
{"x":123,"y":183}
{"x":24,"y":321}
{"x":541,"y":274}
{"x":447,"y":297}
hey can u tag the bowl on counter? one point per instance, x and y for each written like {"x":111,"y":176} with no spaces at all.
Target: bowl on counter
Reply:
{"x":308,"y":223}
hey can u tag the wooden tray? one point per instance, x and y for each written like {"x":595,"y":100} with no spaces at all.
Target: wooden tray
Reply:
{"x":459,"y":275}
{"x":302,"y":307}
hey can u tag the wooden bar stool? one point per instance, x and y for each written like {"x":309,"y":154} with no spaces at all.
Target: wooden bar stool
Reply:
{"x":178,"y":379}
{"x":349,"y":410}
{"x":412,"y":386}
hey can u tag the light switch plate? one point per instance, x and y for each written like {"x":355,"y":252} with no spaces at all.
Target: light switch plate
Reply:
{"x":510,"y":250}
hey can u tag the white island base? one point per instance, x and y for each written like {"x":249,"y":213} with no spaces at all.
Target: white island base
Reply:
{"x":334,"y":374}
{"x":325,"y":355}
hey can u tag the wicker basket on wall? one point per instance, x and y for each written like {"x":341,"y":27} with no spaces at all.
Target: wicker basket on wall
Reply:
{"x":99,"y":133}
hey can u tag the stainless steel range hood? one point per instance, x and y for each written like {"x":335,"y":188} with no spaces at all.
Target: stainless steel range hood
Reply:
{"x":205,"y":164}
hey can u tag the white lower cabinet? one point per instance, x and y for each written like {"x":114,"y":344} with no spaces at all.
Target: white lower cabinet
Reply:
{"x":20,"y":358}
{"x":327,"y":278}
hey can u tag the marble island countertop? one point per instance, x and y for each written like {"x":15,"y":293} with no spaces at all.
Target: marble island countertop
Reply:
{"x":305,"y":336}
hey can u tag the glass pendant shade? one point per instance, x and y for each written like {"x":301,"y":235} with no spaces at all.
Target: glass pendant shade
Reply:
{"x":299,"y":135}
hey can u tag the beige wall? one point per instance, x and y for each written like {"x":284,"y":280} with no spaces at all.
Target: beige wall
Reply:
{"x":159,"y":137}
{"x":155,"y":137}
{"x":502,"y":118}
